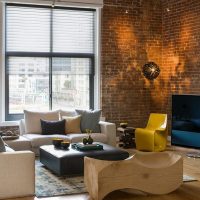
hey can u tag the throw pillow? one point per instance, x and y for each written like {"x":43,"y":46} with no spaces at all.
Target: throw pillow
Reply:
{"x":52,"y":127}
{"x":90,"y":120}
{"x":69,"y":113}
{"x":32,"y":120}
{"x":2,"y":145}
{"x":72,"y":124}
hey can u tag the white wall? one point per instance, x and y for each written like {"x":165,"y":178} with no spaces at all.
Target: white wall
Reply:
{"x":2,"y":68}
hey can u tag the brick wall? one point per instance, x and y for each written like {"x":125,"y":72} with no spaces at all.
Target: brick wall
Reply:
{"x":131,"y":36}
{"x":166,"y":32}
{"x":181,"y":50}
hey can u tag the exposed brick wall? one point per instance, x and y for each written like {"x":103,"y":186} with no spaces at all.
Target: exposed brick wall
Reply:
{"x":181,"y":50}
{"x":166,"y":32}
{"x":129,"y":40}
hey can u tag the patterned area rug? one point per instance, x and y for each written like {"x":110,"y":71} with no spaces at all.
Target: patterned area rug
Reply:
{"x":49,"y":184}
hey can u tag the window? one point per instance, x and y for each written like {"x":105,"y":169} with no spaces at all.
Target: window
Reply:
{"x":49,"y":58}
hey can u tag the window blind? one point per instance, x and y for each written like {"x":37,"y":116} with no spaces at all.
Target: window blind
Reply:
{"x":73,"y":31}
{"x":27,"y":29}
{"x":36,"y":29}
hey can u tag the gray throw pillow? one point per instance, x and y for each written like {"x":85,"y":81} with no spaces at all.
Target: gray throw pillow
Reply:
{"x":2,"y":145}
{"x":90,"y":120}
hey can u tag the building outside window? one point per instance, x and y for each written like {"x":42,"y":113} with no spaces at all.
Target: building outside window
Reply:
{"x":50,"y":55}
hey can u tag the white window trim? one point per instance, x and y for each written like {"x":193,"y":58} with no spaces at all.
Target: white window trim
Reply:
{"x":2,"y":63}
{"x":97,"y":77}
{"x":76,"y":3}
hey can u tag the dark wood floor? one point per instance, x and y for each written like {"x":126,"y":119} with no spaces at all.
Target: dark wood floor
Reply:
{"x":188,"y":191}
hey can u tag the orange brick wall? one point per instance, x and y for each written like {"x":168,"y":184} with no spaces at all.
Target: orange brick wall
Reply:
{"x":131,"y":36}
{"x":180,"y":50}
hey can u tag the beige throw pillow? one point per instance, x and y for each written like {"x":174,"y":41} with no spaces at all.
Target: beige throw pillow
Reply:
{"x":72,"y":124}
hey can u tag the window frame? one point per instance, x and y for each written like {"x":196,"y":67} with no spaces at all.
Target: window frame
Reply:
{"x":50,"y":55}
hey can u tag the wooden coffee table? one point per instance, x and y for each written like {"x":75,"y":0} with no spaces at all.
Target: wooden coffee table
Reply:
{"x":70,"y":162}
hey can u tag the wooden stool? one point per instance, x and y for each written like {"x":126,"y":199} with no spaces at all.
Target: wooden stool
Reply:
{"x":151,"y":172}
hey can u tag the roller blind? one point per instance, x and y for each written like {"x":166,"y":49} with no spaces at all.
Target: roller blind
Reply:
{"x":73,"y":31}
{"x":28,"y":29}
{"x":37,"y":29}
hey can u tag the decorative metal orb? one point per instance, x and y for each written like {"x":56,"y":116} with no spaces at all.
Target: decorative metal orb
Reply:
{"x":151,"y":70}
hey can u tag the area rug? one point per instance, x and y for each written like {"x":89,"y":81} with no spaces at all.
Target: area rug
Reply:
{"x":49,"y":184}
{"x":187,"y":178}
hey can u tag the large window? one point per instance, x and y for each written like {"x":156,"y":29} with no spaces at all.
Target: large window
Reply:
{"x":49,"y":58}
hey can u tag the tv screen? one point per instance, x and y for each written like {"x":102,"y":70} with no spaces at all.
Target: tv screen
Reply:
{"x":186,"y":120}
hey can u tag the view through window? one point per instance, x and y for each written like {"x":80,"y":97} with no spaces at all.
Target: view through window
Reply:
{"x":49,"y":58}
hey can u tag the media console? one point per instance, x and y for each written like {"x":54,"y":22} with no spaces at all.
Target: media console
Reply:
{"x":186,"y":138}
{"x":186,"y":121}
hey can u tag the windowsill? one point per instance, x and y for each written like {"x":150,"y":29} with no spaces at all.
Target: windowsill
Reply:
{"x":9,"y":123}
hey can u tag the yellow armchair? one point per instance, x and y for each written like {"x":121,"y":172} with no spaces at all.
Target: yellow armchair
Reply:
{"x":154,"y":136}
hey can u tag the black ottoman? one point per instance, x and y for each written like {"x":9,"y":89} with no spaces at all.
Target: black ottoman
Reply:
{"x":70,"y":162}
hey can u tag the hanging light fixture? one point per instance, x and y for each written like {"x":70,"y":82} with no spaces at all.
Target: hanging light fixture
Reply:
{"x":151,"y":70}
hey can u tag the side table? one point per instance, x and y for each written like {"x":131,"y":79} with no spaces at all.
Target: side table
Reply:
{"x":127,"y":137}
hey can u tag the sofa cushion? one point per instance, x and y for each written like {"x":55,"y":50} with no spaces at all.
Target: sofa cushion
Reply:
{"x":72,"y":124}
{"x":19,"y":144}
{"x":2,"y":145}
{"x":90,"y":120}
{"x":69,"y":113}
{"x":32,"y":120}
{"x":39,"y":140}
{"x":53,"y":127}
{"x":97,"y":137}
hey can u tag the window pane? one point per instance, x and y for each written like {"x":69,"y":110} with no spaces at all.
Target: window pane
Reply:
{"x":28,"y":29}
{"x":73,"y":31}
{"x":35,"y":78}
{"x":28,"y":84}
{"x":70,"y":82}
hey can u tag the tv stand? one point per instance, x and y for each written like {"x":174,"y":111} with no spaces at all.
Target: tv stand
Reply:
{"x":185,"y":138}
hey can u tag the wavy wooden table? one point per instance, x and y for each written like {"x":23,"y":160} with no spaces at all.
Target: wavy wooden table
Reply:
{"x":155,"y":173}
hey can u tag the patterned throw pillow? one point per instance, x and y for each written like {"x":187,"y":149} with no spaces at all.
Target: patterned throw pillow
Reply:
{"x":90,"y":120}
{"x":2,"y":145}
{"x":72,"y":124}
{"x":53,"y":127}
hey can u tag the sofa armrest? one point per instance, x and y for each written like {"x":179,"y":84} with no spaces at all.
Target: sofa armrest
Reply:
{"x":110,"y":130}
{"x":22,"y":127}
{"x":17,"y":174}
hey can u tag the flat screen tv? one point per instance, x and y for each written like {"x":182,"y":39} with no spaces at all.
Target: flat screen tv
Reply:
{"x":186,"y":121}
